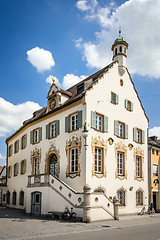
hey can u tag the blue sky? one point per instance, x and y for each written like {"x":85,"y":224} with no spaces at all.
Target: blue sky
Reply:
{"x":70,"y":40}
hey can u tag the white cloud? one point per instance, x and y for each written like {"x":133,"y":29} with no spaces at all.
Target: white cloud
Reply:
{"x":70,"y":79}
{"x":12,"y":116}
{"x":49,"y":80}
{"x":139,"y":27}
{"x":41,"y":59}
{"x":2,"y":157}
{"x":155,"y":131}
{"x":85,"y":5}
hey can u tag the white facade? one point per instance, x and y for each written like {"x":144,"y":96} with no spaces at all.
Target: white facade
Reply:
{"x":110,"y":94}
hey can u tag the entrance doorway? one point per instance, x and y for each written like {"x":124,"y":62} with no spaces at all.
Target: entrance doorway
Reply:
{"x":154,"y":200}
{"x":53,"y":164}
{"x":36,"y":203}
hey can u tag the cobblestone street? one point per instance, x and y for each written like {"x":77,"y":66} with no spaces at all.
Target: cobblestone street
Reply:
{"x":15,"y":225}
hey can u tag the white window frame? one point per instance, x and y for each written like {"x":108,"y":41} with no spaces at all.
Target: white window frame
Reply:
{"x":121,"y":197}
{"x":98,"y":160}
{"x":139,"y":135}
{"x":36,"y":166}
{"x":120,"y":163}
{"x":138,"y":166}
{"x":74,"y":160}
{"x":121,"y":129}
{"x":53,"y":130}
{"x":99,"y":122}
{"x":139,"y":198}
{"x":36,"y":135}
{"x":74,"y":121}
{"x":155,"y":173}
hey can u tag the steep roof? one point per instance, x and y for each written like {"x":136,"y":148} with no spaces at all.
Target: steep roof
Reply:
{"x":154,"y":141}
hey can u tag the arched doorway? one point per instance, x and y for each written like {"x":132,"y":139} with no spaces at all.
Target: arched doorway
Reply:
{"x":53,"y":164}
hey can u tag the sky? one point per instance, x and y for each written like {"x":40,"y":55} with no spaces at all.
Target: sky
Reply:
{"x":71,"y":40}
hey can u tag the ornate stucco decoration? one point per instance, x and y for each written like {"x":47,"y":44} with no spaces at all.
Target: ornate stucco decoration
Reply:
{"x":120,"y":147}
{"x":52,"y":150}
{"x":99,"y":143}
{"x":35,"y":153}
{"x":73,"y":142}
{"x":139,"y":152}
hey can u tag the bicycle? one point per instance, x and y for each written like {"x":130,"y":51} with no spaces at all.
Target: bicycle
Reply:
{"x":69,"y":215}
{"x":149,"y":210}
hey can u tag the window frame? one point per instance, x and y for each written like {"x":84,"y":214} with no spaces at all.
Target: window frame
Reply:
{"x":10,"y":150}
{"x":101,"y":120}
{"x":9,"y":171}
{"x":23,"y":167}
{"x":21,"y":198}
{"x":122,"y":198}
{"x":36,"y":137}
{"x":74,"y":158}
{"x":24,"y":141}
{"x":51,"y":135}
{"x":14,"y":197}
{"x":139,"y":198}
{"x":36,"y":166}
{"x":114,"y":101}
{"x":138,"y":166}
{"x":120,"y":161}
{"x":16,"y":168}
{"x":73,"y":115}
{"x":16,"y":144}
{"x":154,"y":174}
{"x":98,"y":164}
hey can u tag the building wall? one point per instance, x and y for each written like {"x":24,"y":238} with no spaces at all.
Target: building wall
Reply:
{"x":110,"y":82}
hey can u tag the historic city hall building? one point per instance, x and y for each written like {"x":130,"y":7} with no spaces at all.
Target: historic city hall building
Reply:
{"x":86,"y":147}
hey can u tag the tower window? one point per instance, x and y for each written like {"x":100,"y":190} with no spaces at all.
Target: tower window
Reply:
{"x":125,"y":50}
{"x":120,"y":49}
{"x":116,"y":51}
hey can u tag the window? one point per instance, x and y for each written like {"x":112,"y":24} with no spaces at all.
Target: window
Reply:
{"x":36,"y":135}
{"x":128,"y":105}
{"x":138,"y":167}
{"x":52,"y":129}
{"x":138,"y":135}
{"x":10,"y":150}
{"x":155,"y":170}
{"x":8,"y":197}
{"x":73,"y":121}
{"x":16,"y":146}
{"x":157,"y":152}
{"x":120,"y":129}
{"x":121,"y":197}
{"x":21,"y":198}
{"x":120,"y":163}
{"x":152,"y":151}
{"x":98,"y":160}
{"x":36,"y":166}
{"x":16,"y":166}
{"x":99,"y":122}
{"x":14,"y":198}
{"x":80,"y":88}
{"x":114,"y":98}
{"x":24,"y":141}
{"x":116,"y":51}
{"x":4,"y":197}
{"x":23,"y":166}
{"x":120,"y":49}
{"x":74,"y":160}
{"x":139,"y":198}
{"x":9,"y":171}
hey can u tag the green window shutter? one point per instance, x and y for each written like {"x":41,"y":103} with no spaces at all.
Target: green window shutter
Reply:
{"x":105,"y":124}
{"x":116,"y":128}
{"x":40,"y":134}
{"x":31,"y":137}
{"x":117,"y":99}
{"x":93,"y":119}
{"x":126,"y":131}
{"x":131,"y":106}
{"x":79,"y":118}
{"x":143,"y":136}
{"x":126,"y":103}
{"x":26,"y":140}
{"x":135,"y":134}
{"x":47,"y":131}
{"x":67,"y":124}
{"x":57,"y":127}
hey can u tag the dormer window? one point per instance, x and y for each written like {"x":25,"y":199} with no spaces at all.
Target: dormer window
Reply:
{"x":80,"y":88}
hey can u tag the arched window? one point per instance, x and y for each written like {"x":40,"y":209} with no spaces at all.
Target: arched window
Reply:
{"x":120,"y":49}
{"x":14,"y":197}
{"x":121,"y":197}
{"x":116,"y":51}
{"x":8,"y":197}
{"x":139,"y":198}
{"x":21,"y":198}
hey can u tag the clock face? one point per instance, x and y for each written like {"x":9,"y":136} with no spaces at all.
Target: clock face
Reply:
{"x":52,"y":104}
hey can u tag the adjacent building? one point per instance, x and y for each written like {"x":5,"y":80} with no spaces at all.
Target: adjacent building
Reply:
{"x":88,"y":145}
